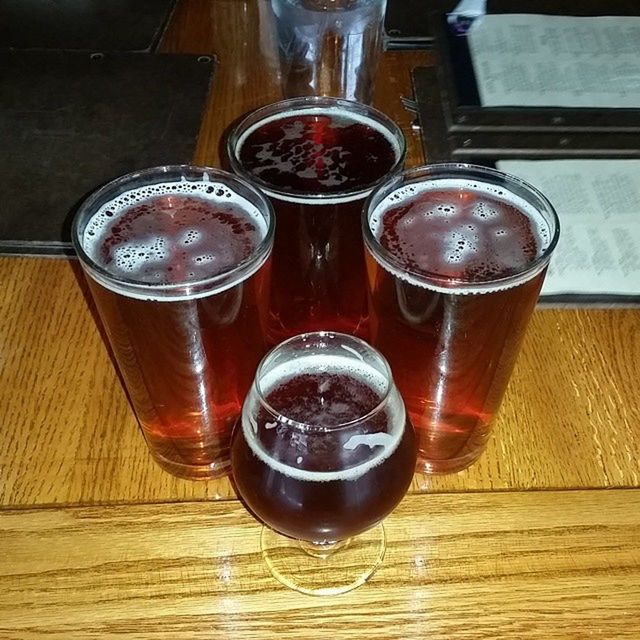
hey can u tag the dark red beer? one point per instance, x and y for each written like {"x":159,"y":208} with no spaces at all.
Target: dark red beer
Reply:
{"x":317,"y":159}
{"x":178,"y":270}
{"x":457,"y":256}
{"x":319,"y":459}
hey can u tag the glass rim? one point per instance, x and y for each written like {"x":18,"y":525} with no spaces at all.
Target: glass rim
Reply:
{"x":90,"y":205}
{"x":304,"y":103}
{"x":472,"y":172}
{"x":307,"y":427}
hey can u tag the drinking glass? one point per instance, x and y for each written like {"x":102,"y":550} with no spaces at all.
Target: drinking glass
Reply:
{"x":317,"y":160}
{"x":456,"y":258}
{"x":329,"y":47}
{"x":322,"y":454}
{"x":177,"y":260}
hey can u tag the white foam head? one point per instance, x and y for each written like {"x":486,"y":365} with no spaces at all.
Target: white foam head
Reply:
{"x":146,"y":258}
{"x":381,"y":445}
{"x":295,"y":131}
{"x":461,"y":243}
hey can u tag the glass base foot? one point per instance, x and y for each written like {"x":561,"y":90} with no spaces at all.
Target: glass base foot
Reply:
{"x":209,"y":471}
{"x":442,"y":467}
{"x":323,"y":569}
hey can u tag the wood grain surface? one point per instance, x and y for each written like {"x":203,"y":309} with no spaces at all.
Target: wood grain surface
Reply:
{"x":68,"y":436}
{"x":570,"y":418}
{"x":536,"y":565}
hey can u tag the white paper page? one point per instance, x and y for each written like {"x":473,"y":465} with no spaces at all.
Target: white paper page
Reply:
{"x":541,"y":60}
{"x":598,"y":203}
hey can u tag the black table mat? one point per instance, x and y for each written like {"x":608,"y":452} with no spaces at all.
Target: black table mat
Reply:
{"x":408,"y":24}
{"x":95,"y":25}
{"x":72,"y":121}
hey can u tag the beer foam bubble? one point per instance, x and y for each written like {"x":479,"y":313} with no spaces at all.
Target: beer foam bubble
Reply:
{"x":159,"y":242}
{"x":296,"y":132}
{"x":461,"y":241}
{"x":381,"y":444}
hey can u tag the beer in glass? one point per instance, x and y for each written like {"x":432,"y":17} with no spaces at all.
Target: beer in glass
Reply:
{"x":317,"y":159}
{"x":323,"y":453}
{"x":176,"y":258}
{"x":456,"y":258}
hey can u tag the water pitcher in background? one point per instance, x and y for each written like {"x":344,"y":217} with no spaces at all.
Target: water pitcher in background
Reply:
{"x":329,"y":47}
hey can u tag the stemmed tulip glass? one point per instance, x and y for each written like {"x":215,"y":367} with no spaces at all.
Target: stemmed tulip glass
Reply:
{"x":322,"y":454}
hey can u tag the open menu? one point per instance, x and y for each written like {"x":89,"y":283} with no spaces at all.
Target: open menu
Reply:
{"x":527,"y":60}
{"x":598,"y":203}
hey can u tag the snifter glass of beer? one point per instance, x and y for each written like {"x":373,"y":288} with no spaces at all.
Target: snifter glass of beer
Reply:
{"x":456,"y":256}
{"x":176,"y":258}
{"x":317,"y":159}
{"x":322,"y":454}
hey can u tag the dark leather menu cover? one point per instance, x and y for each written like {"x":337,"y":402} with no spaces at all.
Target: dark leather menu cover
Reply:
{"x":72,"y":121}
{"x":458,"y":80}
{"x":94,"y":25}
{"x":443,"y":143}
{"x":413,"y":23}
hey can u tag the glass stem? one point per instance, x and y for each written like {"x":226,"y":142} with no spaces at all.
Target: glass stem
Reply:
{"x":322,"y":550}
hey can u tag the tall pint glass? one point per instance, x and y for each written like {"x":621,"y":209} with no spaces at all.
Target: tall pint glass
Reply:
{"x":177,"y":260}
{"x":329,"y":47}
{"x":317,"y":159}
{"x":456,"y":257}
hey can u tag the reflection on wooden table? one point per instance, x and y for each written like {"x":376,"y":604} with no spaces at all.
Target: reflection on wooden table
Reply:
{"x":494,"y":565}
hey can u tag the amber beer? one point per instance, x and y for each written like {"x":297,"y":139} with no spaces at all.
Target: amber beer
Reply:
{"x":324,"y":451}
{"x":317,"y":159}
{"x":177,"y":262}
{"x":456,"y":258}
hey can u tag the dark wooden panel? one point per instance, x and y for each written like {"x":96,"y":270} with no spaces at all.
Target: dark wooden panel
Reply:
{"x":103,"y":25}
{"x":72,"y":121}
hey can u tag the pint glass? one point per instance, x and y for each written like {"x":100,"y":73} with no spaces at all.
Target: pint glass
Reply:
{"x":317,"y":159}
{"x":456,"y":257}
{"x":329,"y":47}
{"x":176,"y":258}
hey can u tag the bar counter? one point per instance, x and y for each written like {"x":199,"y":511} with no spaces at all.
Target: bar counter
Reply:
{"x":539,"y":539}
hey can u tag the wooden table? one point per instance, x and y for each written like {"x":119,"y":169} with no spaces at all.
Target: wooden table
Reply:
{"x":540,"y":539}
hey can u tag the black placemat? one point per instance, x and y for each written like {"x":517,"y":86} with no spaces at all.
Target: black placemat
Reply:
{"x":72,"y":121}
{"x":101,"y":25}
{"x":408,"y":24}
